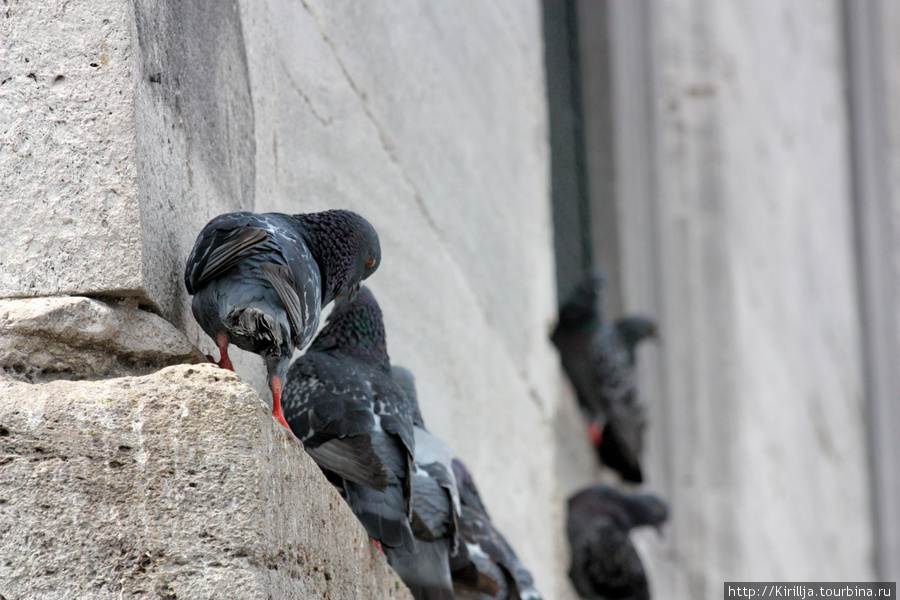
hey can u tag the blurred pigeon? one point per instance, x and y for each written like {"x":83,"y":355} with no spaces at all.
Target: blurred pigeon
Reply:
{"x":604,"y":562}
{"x":486,"y":566}
{"x":599,"y":358}
{"x":621,"y":440}
{"x":632,"y":331}
{"x":260,"y":281}
{"x":355,"y":422}
{"x":435,"y":504}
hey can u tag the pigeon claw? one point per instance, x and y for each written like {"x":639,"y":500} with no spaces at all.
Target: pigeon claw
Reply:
{"x":224,"y":361}
{"x":378,"y":545}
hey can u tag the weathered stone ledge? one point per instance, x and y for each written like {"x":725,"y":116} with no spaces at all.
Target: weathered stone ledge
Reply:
{"x":73,"y":337}
{"x":173,"y":485}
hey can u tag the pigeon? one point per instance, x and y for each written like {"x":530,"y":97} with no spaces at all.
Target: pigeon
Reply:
{"x":259,"y":281}
{"x":605,"y":564}
{"x":354,"y":420}
{"x":486,"y":565}
{"x":436,"y":507}
{"x":621,"y":439}
{"x":599,"y":358}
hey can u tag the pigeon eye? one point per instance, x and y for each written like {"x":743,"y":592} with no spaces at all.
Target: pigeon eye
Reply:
{"x":370,"y":263}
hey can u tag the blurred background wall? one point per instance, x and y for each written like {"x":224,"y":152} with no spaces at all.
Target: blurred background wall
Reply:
{"x":735,"y":163}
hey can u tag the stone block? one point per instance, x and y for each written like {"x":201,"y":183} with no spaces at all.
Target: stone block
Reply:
{"x":124,"y":127}
{"x":177,"y":484}
{"x":69,"y":219}
{"x":83,"y":338}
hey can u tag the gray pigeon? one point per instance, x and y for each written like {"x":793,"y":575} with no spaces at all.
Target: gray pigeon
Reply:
{"x":356,"y":423}
{"x":435,"y":504}
{"x":599,"y":358}
{"x":486,"y":566}
{"x":605,"y":564}
{"x":260,"y":281}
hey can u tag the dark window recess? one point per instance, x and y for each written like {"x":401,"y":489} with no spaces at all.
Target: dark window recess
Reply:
{"x":568,"y":172}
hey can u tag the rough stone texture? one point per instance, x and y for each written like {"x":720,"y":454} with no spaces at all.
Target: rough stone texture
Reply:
{"x":173,"y":485}
{"x":67,"y":150}
{"x":83,"y":338}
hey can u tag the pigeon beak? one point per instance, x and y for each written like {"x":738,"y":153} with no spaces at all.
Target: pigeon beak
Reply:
{"x":347,"y":295}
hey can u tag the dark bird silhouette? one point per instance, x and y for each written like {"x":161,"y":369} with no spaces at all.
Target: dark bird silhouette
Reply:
{"x":436,"y":506}
{"x":605,"y":564}
{"x":356,"y":423}
{"x":486,"y":565}
{"x":260,"y":281}
{"x":599,"y":358}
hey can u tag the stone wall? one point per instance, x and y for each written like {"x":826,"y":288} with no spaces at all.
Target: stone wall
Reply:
{"x":67,"y":151}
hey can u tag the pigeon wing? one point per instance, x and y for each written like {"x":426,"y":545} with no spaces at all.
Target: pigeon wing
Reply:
{"x":394,"y":410}
{"x":616,"y":389}
{"x":329,"y":408}
{"x":426,"y":572}
{"x":611,"y":375}
{"x":475,"y":566}
{"x":434,"y":460}
{"x":222,"y":244}
{"x":432,"y":504}
{"x":352,"y":458}
{"x":282,"y":279}
{"x":385,"y":514}
{"x":395,"y":416}
{"x":482,"y":539}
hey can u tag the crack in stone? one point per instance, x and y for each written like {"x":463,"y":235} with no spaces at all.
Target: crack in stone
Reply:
{"x":383,"y":138}
{"x":325,"y":121}
{"x":391,"y":153}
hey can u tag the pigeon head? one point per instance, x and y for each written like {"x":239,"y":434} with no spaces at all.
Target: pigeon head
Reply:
{"x":356,"y":328}
{"x":628,"y":510}
{"x":635,"y":329}
{"x":404,"y":378}
{"x":345,"y":247}
{"x":583,"y":306}
{"x":647,"y":509}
